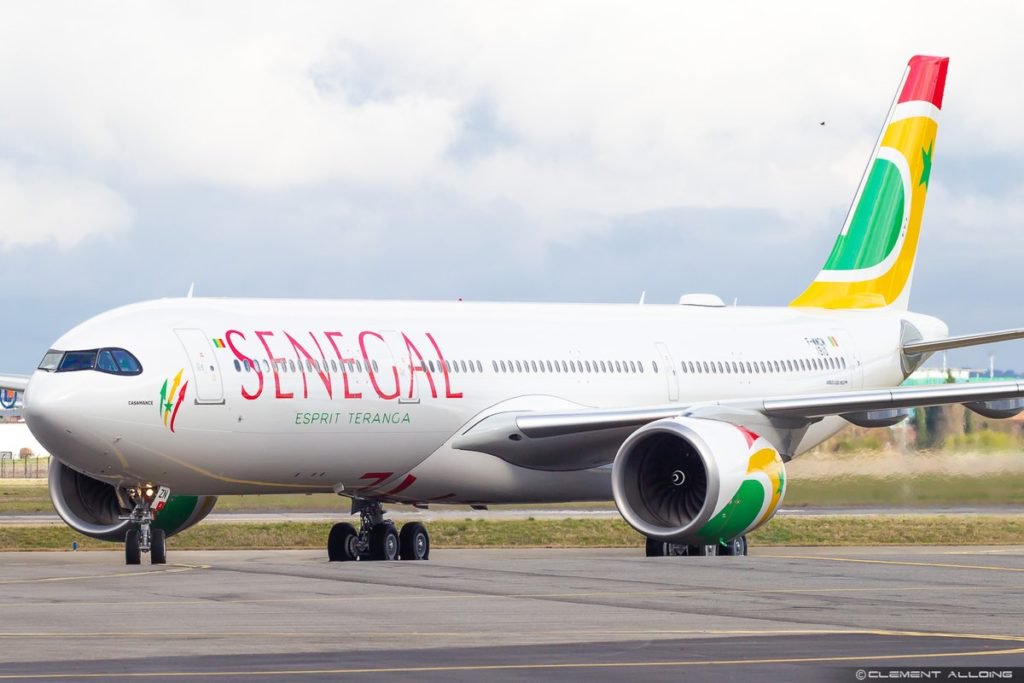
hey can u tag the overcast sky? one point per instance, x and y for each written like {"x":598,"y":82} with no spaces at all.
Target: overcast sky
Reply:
{"x":547,"y":151}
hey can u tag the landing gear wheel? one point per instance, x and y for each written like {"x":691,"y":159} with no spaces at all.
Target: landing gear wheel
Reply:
{"x":655,"y":548}
{"x":132,"y":551}
{"x":384,"y":542}
{"x":157,"y":546}
{"x":737,"y":546}
{"x":702,"y":550}
{"x":342,"y":543}
{"x":414,"y":542}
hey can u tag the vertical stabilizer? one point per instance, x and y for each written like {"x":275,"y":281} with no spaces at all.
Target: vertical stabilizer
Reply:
{"x":872,"y":261}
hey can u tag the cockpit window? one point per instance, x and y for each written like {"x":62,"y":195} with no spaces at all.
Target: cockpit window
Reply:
{"x":51,"y":360}
{"x":127,"y":364}
{"x":111,"y":361}
{"x":105,"y":362}
{"x":77,"y":360}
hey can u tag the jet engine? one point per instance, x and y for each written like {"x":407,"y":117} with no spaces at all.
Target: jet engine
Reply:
{"x":697,"y":481}
{"x":93,"y":508}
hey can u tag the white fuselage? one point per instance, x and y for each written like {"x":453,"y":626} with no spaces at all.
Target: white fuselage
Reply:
{"x":365,"y":396}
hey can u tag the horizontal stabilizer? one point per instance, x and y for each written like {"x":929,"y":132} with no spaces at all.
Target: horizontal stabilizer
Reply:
{"x":962,"y":341}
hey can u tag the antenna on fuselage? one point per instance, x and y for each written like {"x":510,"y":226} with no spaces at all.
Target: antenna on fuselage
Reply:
{"x":643,"y":295}
{"x":191,"y":289}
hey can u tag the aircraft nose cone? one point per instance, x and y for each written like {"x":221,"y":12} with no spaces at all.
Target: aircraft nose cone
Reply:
{"x":49,"y":410}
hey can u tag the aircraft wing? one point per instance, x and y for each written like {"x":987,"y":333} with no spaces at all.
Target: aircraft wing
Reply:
{"x":590,"y":437}
{"x":822,"y":405}
{"x":13,"y":382}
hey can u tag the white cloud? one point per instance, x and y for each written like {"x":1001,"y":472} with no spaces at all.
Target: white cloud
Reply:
{"x":39,"y":206}
{"x":592,"y":111}
{"x":614,"y":108}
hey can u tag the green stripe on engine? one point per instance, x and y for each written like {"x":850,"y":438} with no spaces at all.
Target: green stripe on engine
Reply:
{"x":738,"y":514}
{"x":175,"y":513}
{"x":876,"y":222}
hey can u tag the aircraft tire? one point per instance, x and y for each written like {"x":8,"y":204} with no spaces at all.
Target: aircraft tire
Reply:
{"x":157,"y":546}
{"x":132,"y":551}
{"x":384,"y":542}
{"x":655,"y":548}
{"x":735,"y":547}
{"x":341,"y":543}
{"x":414,"y":542}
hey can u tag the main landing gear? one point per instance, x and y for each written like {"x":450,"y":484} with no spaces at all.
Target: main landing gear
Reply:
{"x":141,"y":536}
{"x":737,"y":546}
{"x":377,"y":538}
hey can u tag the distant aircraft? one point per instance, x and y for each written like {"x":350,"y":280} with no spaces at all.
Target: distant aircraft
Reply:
{"x":10,"y":391}
{"x":683,"y":414}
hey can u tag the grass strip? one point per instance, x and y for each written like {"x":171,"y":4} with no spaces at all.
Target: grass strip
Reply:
{"x":565,"y":533}
{"x":929,"y":490}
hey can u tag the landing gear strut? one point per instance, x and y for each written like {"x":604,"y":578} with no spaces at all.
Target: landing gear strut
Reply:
{"x":377,"y":538}
{"x":141,"y":536}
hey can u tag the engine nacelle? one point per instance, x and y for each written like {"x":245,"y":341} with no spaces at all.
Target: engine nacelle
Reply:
{"x":697,"y":481}
{"x":93,"y":508}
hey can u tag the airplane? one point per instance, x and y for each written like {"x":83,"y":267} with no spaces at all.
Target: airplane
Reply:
{"x":10,"y":399}
{"x":683,"y":414}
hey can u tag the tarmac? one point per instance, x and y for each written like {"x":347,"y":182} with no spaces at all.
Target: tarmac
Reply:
{"x":793,"y":614}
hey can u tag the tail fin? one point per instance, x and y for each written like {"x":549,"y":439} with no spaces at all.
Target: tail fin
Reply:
{"x":872,"y":261}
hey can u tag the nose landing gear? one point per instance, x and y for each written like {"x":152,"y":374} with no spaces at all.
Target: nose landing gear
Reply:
{"x":142,"y":537}
{"x":377,"y":537}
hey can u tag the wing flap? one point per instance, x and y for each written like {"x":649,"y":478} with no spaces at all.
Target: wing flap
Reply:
{"x":823,"y":405}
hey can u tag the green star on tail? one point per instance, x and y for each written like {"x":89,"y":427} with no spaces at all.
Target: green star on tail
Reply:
{"x":926,"y":160}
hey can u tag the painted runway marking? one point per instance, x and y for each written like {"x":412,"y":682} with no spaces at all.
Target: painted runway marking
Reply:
{"x":169,"y":569}
{"x":585,"y":632}
{"x":905,"y":563}
{"x":514,"y":667}
{"x":668,"y":592}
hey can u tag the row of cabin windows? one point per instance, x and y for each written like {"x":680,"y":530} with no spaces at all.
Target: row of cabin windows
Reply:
{"x":454,"y":366}
{"x":572,"y":366}
{"x":763,"y":367}
{"x":350,"y":366}
{"x":553,"y":367}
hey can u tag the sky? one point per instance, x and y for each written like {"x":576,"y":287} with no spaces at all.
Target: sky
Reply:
{"x":490,"y":151}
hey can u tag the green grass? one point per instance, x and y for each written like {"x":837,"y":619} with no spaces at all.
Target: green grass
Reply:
{"x":23,"y":496}
{"x":565,"y":533}
{"x":915,"y":491}
{"x":26,"y":496}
